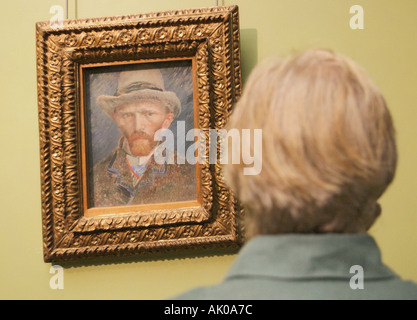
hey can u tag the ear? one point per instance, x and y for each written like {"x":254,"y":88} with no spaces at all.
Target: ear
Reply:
{"x":168,"y":120}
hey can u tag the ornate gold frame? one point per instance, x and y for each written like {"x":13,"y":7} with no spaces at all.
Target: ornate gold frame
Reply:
{"x":209,"y":36}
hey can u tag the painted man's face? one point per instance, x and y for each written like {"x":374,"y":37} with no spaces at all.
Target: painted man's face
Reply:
{"x":139,"y":120}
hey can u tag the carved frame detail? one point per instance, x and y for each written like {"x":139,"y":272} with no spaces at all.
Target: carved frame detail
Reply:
{"x":210,"y":36}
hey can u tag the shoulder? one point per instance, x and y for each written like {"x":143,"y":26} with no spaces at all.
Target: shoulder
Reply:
{"x":103,"y":166}
{"x":101,"y":173}
{"x":252,"y":288}
{"x":107,"y":160}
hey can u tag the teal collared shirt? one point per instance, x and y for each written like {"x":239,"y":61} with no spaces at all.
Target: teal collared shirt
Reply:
{"x":325,"y":266}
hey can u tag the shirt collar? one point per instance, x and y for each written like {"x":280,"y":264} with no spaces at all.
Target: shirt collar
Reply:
{"x":119,"y":166}
{"x":294,"y":256}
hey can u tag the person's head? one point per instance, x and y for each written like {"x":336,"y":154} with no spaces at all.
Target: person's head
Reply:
{"x":141,"y":107}
{"x":328,"y":146}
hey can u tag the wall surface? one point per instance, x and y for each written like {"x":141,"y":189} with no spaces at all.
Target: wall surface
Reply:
{"x":386,"y":48}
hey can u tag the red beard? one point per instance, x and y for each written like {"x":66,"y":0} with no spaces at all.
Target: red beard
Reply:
{"x":141,"y":144}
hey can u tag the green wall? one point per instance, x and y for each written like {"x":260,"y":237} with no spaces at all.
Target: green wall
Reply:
{"x":386,"y":47}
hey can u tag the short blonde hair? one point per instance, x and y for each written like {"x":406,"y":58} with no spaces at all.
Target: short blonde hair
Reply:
{"x":328,"y":144}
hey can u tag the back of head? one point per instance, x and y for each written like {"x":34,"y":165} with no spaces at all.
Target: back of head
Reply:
{"x":328,"y":146}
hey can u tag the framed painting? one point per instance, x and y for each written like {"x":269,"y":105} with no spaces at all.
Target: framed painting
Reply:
{"x":126,"y":108}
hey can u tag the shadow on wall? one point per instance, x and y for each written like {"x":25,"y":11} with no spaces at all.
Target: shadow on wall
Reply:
{"x":248,"y":51}
{"x":161,"y":256}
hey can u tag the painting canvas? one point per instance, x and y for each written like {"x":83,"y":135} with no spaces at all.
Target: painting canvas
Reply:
{"x":130,"y":110}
